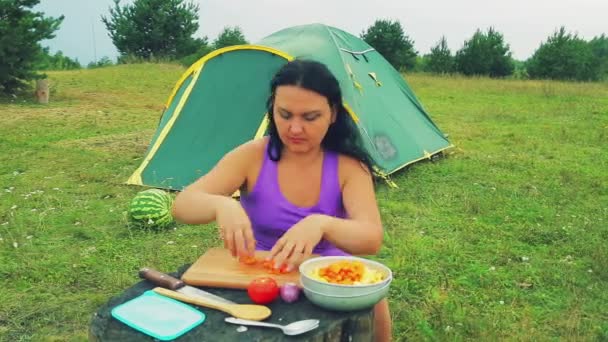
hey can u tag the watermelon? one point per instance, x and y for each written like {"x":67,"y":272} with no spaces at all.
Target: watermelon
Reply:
{"x":151,"y":209}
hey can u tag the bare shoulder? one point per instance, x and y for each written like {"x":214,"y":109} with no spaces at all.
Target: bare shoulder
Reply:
{"x":351,"y":168}
{"x":258,"y":145}
{"x":253,"y":152}
{"x":249,"y":152}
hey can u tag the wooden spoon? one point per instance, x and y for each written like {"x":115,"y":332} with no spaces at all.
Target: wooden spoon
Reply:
{"x":245,"y":311}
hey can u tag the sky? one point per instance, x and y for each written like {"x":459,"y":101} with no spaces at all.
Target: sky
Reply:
{"x":525,"y":24}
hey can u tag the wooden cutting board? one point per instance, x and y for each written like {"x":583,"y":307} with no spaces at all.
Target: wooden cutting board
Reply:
{"x":218,"y":268}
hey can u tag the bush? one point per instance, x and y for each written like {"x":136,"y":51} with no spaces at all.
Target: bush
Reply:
{"x":228,"y":37}
{"x":191,"y":59}
{"x":103,"y":62}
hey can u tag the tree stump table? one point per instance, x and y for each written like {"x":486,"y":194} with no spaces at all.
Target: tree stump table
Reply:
{"x":334,"y":326}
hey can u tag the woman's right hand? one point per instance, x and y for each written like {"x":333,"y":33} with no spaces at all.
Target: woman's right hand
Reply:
{"x":235,"y":228}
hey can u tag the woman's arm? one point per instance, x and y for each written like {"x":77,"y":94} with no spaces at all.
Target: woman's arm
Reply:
{"x":209,"y":199}
{"x":361,"y":233}
{"x":198,"y":203}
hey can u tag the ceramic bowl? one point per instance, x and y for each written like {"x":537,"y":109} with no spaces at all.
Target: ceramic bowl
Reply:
{"x":347,"y":303}
{"x":339,"y":296}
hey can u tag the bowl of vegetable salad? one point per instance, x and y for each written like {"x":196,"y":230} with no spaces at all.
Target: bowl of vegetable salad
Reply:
{"x":344,"y":283}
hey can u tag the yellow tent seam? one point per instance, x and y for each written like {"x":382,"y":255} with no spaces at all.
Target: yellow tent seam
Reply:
{"x":165,"y":131}
{"x":386,"y":176}
{"x":199,"y":63}
{"x":262,"y":128}
{"x":345,"y":65}
{"x":179,"y":83}
{"x":351,"y":112}
{"x":427,"y":155}
{"x":197,"y":68}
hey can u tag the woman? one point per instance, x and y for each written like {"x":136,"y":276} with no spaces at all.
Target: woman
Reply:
{"x":306,"y":188}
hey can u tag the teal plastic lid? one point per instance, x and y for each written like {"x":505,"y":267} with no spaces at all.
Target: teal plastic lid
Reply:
{"x":161,"y":317}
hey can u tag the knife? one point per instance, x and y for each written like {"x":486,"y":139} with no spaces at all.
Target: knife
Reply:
{"x":177,"y":285}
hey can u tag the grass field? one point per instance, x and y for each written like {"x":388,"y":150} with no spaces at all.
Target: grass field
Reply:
{"x":503,"y":239}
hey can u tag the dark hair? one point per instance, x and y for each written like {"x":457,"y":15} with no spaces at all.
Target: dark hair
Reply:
{"x":343,"y":135}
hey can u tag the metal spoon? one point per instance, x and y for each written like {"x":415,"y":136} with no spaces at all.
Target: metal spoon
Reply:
{"x":295,"y":328}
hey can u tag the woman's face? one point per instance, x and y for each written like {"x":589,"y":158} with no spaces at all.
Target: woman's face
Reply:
{"x":302,"y":118}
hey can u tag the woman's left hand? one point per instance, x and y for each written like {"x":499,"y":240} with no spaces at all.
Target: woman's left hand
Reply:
{"x":297,"y":243}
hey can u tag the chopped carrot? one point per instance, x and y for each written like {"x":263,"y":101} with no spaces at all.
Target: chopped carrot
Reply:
{"x":266,"y":264}
{"x":249,"y":260}
{"x":343,"y":272}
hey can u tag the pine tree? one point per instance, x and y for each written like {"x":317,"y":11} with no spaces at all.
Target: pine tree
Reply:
{"x":485,"y":54}
{"x":154,"y":28}
{"x":21,"y":31}
{"x":440,"y":60}
{"x":389,"y":39}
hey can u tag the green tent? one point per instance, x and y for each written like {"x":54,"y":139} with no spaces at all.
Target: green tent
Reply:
{"x":219,"y":103}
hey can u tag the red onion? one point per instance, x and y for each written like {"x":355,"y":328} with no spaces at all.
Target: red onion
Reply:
{"x":290,"y":292}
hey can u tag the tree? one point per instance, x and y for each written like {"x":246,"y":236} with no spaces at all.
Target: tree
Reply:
{"x":599,"y":47}
{"x":389,"y":39}
{"x":57,"y":61}
{"x":21,"y":31}
{"x":228,"y":37}
{"x":154,"y":28}
{"x":440,"y":60}
{"x":564,"y":56}
{"x":485,"y":54}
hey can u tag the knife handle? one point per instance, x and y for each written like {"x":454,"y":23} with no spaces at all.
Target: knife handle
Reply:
{"x":161,"y":279}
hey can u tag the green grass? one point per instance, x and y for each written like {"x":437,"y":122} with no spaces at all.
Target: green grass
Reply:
{"x":503,"y":239}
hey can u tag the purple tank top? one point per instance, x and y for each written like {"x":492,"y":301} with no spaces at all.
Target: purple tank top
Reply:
{"x":271,"y":214}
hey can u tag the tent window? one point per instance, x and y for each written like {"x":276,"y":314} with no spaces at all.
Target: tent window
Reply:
{"x":384,"y":146}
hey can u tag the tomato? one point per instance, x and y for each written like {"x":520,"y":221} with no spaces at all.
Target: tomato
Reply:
{"x":263,"y":290}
